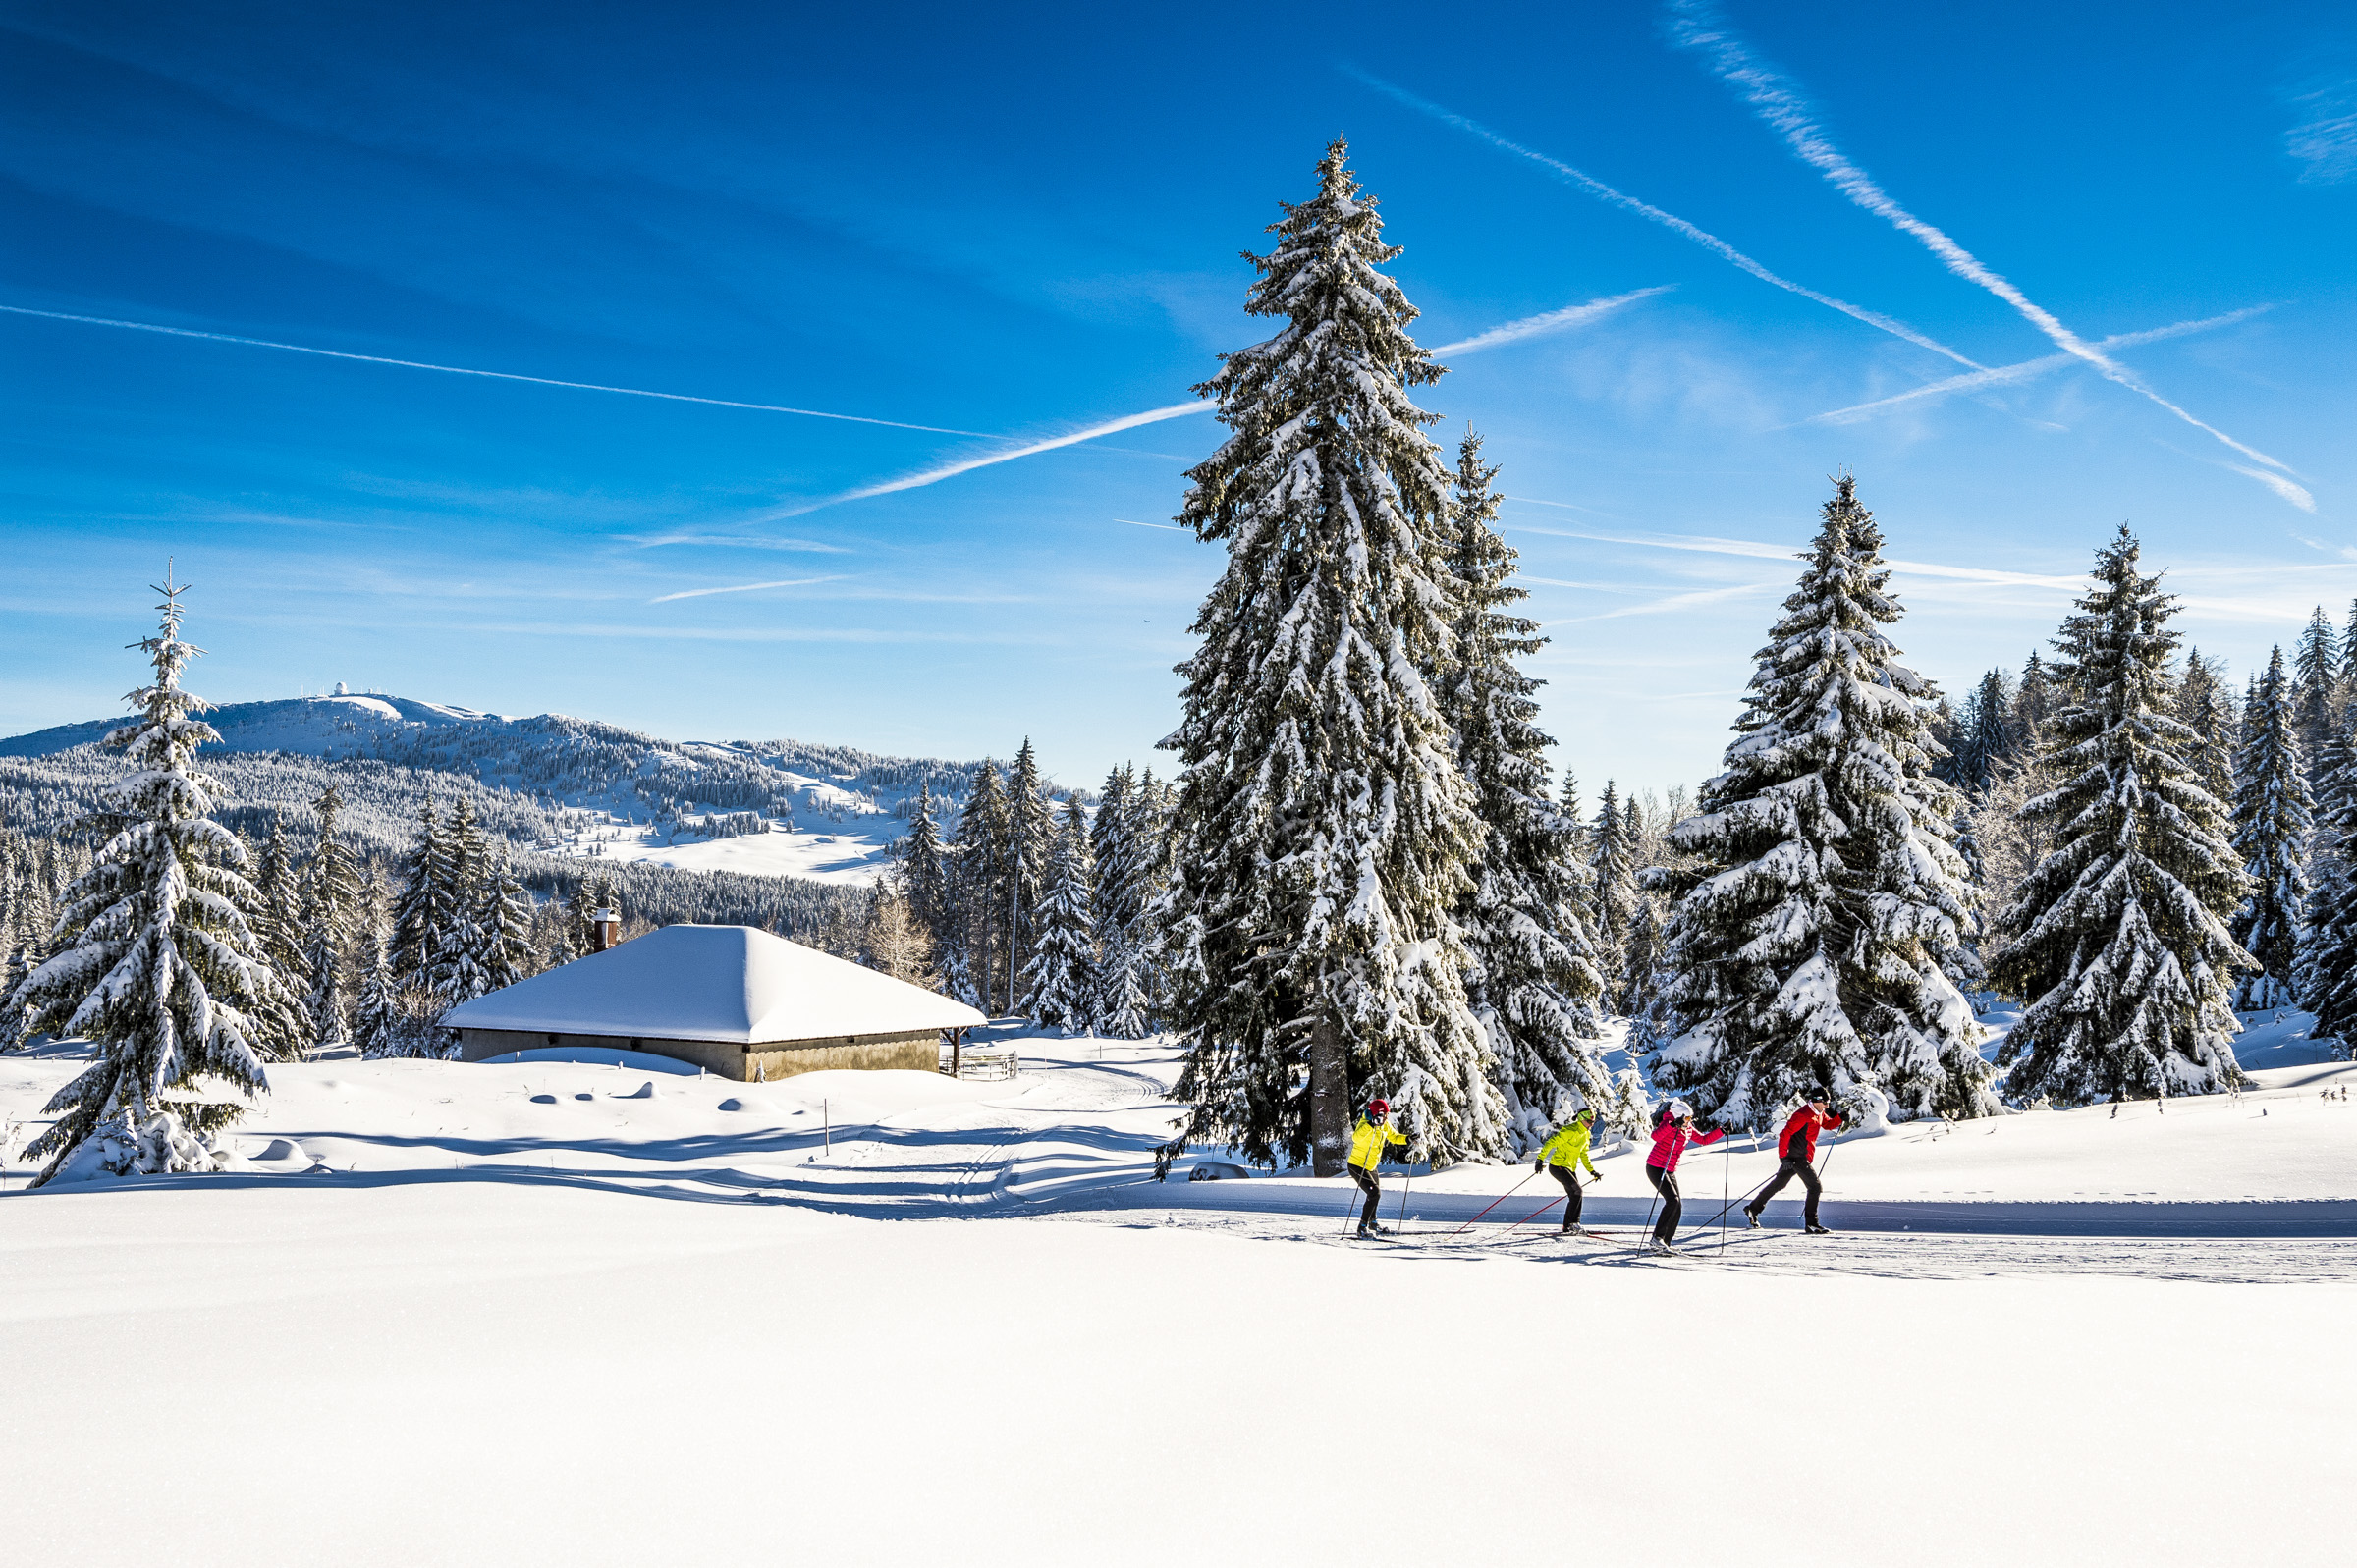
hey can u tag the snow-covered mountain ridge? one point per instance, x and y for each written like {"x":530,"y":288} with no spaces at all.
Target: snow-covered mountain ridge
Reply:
{"x":773,"y":807}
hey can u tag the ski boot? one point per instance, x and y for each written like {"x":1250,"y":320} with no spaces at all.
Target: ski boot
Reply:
{"x":1754,"y":1220}
{"x":1817,"y":1230}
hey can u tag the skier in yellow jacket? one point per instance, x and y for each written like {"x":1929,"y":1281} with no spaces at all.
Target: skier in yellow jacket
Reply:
{"x":1368,"y":1140}
{"x":1565,"y":1154}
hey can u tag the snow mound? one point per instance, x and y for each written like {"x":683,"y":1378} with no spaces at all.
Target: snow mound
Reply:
{"x":592,"y":1056}
{"x":645,"y":1091}
{"x":544,"y":1099}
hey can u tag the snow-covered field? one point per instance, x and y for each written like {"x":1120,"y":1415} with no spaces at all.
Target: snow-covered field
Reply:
{"x":613,"y":1311}
{"x":854,"y":853}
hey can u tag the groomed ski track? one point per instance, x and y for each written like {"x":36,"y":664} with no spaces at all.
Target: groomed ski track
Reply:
{"x":1073,"y":1140}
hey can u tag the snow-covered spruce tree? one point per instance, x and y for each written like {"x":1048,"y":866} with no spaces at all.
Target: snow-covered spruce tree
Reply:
{"x":459,"y":973}
{"x":1612,"y":880}
{"x":1119,"y":842}
{"x":422,"y":915}
{"x":503,"y":926}
{"x":925,"y":867}
{"x":1031,"y":846}
{"x":377,"y":1011}
{"x":2118,"y":941}
{"x":2348,"y":655}
{"x":2328,"y":962}
{"x":2318,"y":666}
{"x":1806,"y":941}
{"x":2271,"y":822}
{"x":2035,"y":700}
{"x":1643,"y":1000}
{"x":1059,"y":983}
{"x":2206,"y":706}
{"x":1985,"y":732}
{"x":1325,"y":833}
{"x":1530,"y":974}
{"x":278,"y":914}
{"x":159,"y":963}
{"x":331,"y":906}
{"x":982,"y":893}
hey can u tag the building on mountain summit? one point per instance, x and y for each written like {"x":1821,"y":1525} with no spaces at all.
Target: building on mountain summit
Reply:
{"x":734,"y":999}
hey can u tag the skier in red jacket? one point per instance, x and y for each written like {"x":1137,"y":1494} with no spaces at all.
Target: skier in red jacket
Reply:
{"x":1670,"y":1140}
{"x":1796,"y":1148}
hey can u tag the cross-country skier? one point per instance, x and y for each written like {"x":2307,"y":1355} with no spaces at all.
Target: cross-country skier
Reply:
{"x":1367,"y":1141}
{"x":1670,"y":1140}
{"x":1565,"y":1154}
{"x":1796,"y":1148}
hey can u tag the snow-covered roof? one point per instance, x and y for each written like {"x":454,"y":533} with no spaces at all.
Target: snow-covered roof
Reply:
{"x":730,"y":983}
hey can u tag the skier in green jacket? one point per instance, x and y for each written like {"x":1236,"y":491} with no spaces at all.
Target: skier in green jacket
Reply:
{"x":1565,"y":1154}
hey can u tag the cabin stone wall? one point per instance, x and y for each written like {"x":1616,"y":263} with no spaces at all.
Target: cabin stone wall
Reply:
{"x":918,"y":1050}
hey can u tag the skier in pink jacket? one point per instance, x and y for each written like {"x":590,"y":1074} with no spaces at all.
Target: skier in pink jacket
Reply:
{"x":1670,"y":1140}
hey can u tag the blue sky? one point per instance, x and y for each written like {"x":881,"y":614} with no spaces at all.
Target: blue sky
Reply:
{"x":1014,"y":226}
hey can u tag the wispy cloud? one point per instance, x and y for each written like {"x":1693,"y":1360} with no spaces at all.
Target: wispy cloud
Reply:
{"x":1594,"y":187}
{"x":2028,"y":369}
{"x":491,"y":375}
{"x":2324,"y":138}
{"x":951,"y":470}
{"x":2297,"y":495}
{"x":1685,"y":601}
{"x":1567,"y":505}
{"x":1551,"y":321}
{"x":730,"y":541}
{"x":1695,"y":25}
{"x":739,"y":588}
{"x":1704,"y":543}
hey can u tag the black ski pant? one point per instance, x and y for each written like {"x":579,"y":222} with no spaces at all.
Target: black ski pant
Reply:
{"x":1372,"y":1188}
{"x":1568,"y":1175}
{"x":1674,"y":1208}
{"x":1783,"y":1178}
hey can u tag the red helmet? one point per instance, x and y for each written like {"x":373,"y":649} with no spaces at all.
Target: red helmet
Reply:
{"x":1379,"y":1108}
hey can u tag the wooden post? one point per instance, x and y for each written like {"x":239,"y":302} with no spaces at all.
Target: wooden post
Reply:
{"x":1328,"y":1099}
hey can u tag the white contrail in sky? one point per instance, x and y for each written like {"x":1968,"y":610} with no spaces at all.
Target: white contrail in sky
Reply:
{"x":742,"y":587}
{"x":1170,"y":528}
{"x":1528,"y":327}
{"x":951,"y":470}
{"x":1695,"y":26}
{"x":1669,"y":220}
{"x":1551,"y":321}
{"x":2008,"y":375}
{"x":492,"y":375}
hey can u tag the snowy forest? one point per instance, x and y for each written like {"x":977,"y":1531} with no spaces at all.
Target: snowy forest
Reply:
{"x":1364,"y":876}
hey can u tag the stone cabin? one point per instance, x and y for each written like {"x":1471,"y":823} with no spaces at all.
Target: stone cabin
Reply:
{"x":734,"y":999}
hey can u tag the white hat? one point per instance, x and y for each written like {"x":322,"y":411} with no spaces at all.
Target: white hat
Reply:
{"x":1679,"y":1110}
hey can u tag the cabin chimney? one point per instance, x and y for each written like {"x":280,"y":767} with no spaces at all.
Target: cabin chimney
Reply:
{"x":605,"y":929}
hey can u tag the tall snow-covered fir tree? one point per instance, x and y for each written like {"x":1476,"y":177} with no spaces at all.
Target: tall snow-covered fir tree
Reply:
{"x":1530,"y":973}
{"x":2328,"y":961}
{"x":503,"y":927}
{"x":1031,"y":846}
{"x":975,"y":963}
{"x":2117,"y":941}
{"x":2317,"y":663}
{"x":331,"y":897}
{"x":422,"y":914}
{"x":1120,"y":841}
{"x":459,"y":973}
{"x":1325,"y":834}
{"x":1613,"y":856}
{"x":2204,"y":704}
{"x":1805,"y":944}
{"x":1060,"y":979}
{"x":2271,"y":822}
{"x":159,"y":963}
{"x":1985,"y":732}
{"x":925,"y":868}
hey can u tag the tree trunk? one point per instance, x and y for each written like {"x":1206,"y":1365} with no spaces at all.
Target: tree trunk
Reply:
{"x":1328,"y":1099}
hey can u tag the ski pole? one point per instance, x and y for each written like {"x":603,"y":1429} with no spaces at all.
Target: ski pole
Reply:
{"x":1495,"y":1202}
{"x":1400,"y":1224}
{"x":1726,"y":1180}
{"x":1724,"y":1213}
{"x":1543,"y":1207}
